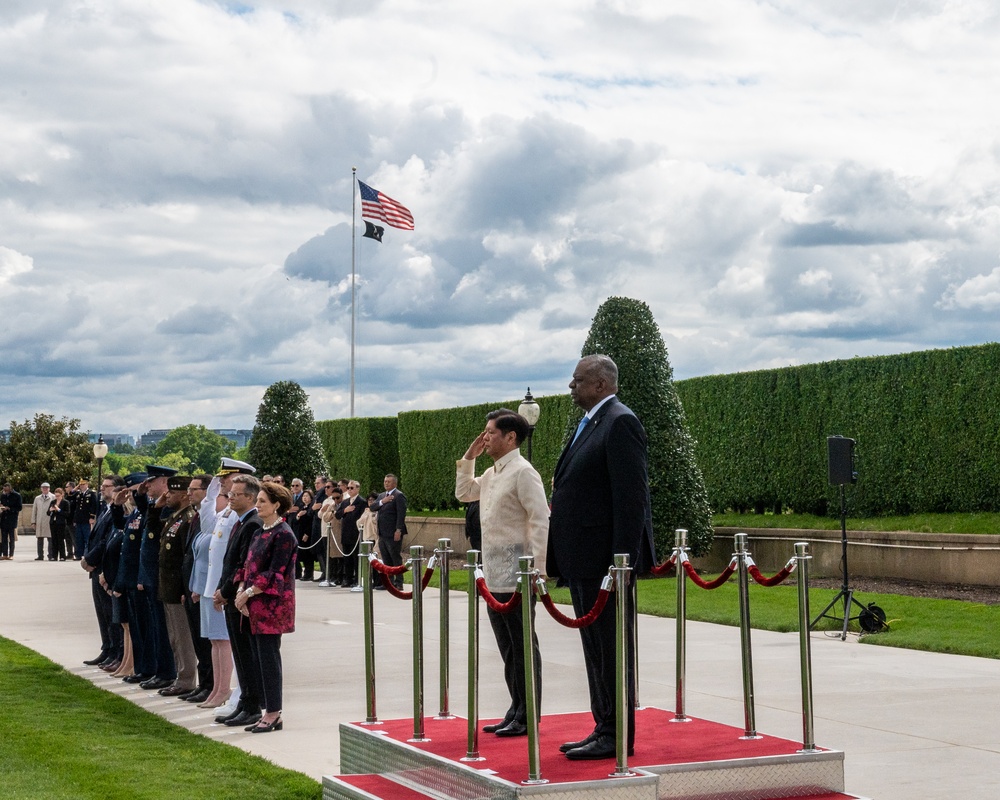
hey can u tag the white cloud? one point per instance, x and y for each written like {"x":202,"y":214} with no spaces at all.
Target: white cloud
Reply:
{"x":781,"y":182}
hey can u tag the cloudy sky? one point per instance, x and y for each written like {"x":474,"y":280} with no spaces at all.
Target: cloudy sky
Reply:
{"x":782,"y":182}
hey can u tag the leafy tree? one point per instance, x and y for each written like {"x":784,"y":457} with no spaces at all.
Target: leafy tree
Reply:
{"x":199,"y":446}
{"x":46,"y":449}
{"x":116,"y":464}
{"x":625,"y":330}
{"x":123,"y":449}
{"x":285,"y":439}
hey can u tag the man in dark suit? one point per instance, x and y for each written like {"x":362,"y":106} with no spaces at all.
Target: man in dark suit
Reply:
{"x":349,"y":512}
{"x":391,"y":508}
{"x":93,"y":562}
{"x":242,"y":499}
{"x":600,"y":507}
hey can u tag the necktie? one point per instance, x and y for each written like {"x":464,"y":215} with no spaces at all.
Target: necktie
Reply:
{"x":579,"y":429}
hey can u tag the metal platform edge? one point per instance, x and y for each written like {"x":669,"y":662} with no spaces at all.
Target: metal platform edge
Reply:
{"x":367,"y":751}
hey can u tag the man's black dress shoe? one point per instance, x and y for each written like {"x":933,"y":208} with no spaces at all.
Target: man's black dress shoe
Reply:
{"x":565,"y":748}
{"x":246,"y":718}
{"x":514,"y":729}
{"x":222,"y":719}
{"x":93,"y":662}
{"x":494,"y":727}
{"x":155,"y":683}
{"x":136,"y":678}
{"x":199,"y":696}
{"x":598,"y":747}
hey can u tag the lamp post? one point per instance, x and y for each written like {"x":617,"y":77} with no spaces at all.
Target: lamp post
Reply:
{"x":531,"y":411}
{"x":100,"y":451}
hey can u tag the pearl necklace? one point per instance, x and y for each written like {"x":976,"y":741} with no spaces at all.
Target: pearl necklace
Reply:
{"x":273,"y":524}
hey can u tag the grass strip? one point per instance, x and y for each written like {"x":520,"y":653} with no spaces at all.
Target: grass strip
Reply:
{"x":63,"y":737}
{"x":916,"y":623}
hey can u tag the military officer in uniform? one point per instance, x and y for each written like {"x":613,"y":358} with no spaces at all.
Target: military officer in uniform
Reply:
{"x":174,"y":536}
{"x":149,"y":577}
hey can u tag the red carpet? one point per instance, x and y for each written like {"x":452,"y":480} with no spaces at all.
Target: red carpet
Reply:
{"x":658,"y":741}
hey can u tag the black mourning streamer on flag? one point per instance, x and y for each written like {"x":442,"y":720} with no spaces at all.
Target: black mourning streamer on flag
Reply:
{"x":373,"y":231}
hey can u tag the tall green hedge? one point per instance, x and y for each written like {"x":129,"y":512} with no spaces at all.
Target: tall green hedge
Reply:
{"x":364,"y":449}
{"x":927,"y":427}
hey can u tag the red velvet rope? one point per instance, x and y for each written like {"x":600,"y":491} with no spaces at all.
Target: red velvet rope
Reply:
{"x":388,"y":584}
{"x":578,"y":622}
{"x":714,"y":584}
{"x":385,"y":569}
{"x":779,"y":576}
{"x":665,"y":567}
{"x":492,"y":602}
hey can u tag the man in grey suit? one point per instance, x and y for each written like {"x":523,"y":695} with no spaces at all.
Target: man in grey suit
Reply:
{"x":600,"y":507}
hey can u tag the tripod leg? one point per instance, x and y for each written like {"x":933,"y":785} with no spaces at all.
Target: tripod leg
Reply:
{"x":848,"y":599}
{"x":829,"y":606}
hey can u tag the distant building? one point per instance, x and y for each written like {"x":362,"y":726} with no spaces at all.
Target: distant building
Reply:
{"x":112,"y":440}
{"x":153,"y":437}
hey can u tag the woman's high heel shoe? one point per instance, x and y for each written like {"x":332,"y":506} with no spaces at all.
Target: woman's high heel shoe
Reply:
{"x":267,"y":727}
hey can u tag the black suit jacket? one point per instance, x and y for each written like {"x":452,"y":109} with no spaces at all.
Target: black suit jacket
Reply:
{"x":236,"y":553}
{"x":600,"y":498}
{"x":391,"y":516}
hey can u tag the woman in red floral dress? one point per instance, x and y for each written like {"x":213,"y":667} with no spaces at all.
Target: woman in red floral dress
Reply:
{"x":267,"y":596}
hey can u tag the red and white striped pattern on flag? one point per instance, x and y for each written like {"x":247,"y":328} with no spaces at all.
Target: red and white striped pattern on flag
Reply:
{"x":376,"y":205}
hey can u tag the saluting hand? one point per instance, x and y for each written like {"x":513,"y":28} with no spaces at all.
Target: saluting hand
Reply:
{"x":476,"y":448}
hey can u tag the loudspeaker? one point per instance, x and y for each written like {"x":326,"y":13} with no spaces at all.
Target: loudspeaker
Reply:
{"x":840,"y":452}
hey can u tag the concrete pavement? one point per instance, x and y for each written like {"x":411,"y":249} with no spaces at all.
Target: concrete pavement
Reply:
{"x":911,"y":724}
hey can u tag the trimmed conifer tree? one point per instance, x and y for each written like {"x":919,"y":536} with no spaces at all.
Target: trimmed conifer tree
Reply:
{"x":625,"y":330}
{"x":285,"y":440}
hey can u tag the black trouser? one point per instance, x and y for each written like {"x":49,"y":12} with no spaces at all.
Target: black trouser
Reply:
{"x":266,"y":649}
{"x":391,"y":551}
{"x":599,"y":655}
{"x":202,"y":646}
{"x":7,"y":542}
{"x":350,"y":542}
{"x":509,"y":632}
{"x":162,"y":655}
{"x":102,"y":607}
{"x":246,"y":670}
{"x":140,"y":631}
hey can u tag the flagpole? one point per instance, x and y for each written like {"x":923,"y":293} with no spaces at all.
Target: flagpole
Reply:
{"x":354,"y":239}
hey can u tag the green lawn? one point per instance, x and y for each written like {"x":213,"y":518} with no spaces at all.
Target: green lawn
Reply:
{"x":62,"y":737}
{"x":942,"y":626}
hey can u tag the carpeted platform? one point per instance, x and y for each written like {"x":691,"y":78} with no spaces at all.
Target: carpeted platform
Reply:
{"x":659,"y":742}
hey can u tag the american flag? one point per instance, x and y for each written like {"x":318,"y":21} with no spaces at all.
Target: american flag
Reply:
{"x":376,"y":205}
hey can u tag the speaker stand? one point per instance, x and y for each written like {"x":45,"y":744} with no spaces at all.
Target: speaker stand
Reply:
{"x":846,"y":594}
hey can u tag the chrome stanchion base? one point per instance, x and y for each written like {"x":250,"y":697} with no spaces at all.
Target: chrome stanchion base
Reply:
{"x":530,"y":782}
{"x":751,"y":736}
{"x":472,"y":758}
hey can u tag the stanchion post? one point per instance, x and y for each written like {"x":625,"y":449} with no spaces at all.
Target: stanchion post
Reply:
{"x":525,"y":585}
{"x":621,"y":571}
{"x":417,"y":575}
{"x":802,"y":559}
{"x":443,"y":554}
{"x":365,"y":572}
{"x":472,"y":745}
{"x":635,"y":640}
{"x":680,"y":552}
{"x":743,"y":586}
